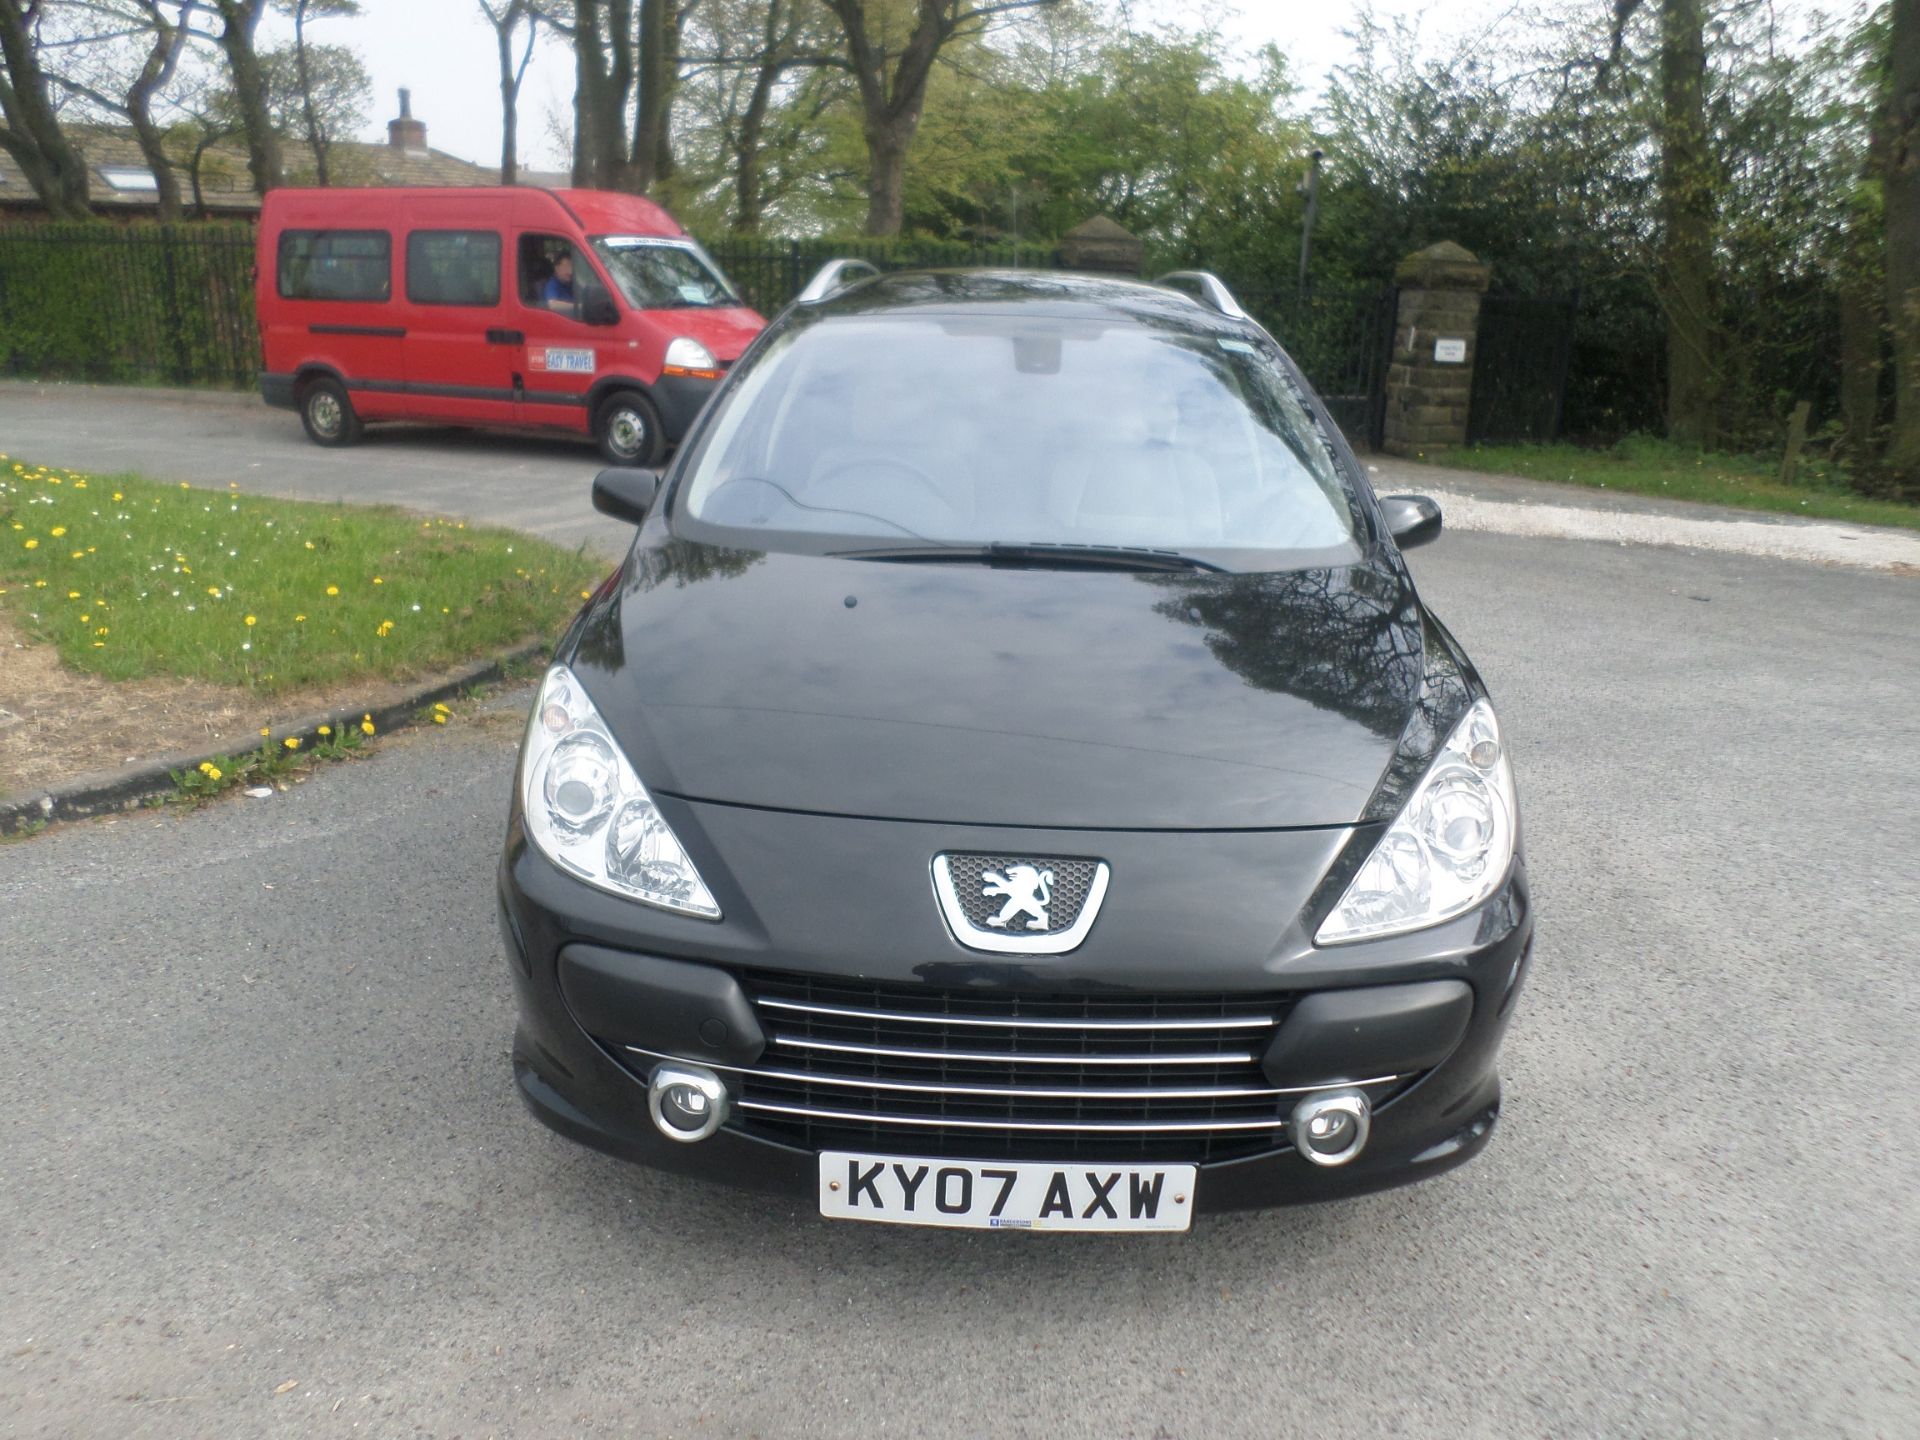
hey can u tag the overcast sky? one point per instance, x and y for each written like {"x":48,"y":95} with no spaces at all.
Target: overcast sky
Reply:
{"x":443,"y":51}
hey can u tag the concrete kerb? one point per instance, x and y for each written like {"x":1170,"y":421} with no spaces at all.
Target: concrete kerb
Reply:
{"x":112,"y":791}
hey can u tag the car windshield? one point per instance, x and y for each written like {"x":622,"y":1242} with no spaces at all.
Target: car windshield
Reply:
{"x":888,"y":433}
{"x":663,"y":274}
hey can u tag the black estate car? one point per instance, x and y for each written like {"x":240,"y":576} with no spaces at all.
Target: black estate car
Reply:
{"x":1013,"y":782}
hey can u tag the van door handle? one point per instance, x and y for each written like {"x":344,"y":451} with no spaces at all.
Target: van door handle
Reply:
{"x":506,"y":337}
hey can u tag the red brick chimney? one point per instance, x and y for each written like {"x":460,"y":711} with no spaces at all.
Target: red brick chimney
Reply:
{"x":405,"y":132}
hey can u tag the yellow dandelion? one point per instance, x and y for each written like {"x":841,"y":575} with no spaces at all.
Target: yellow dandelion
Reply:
{"x":73,"y":594}
{"x":439,"y":719}
{"x":205,"y":766}
{"x":325,"y":730}
{"x":33,"y":544}
{"x":250,"y":620}
{"x":386,"y":629}
{"x":118,"y":496}
{"x":266,"y":730}
{"x":57,"y":531}
{"x":78,"y":554}
{"x":333,"y":589}
{"x":310,"y":544}
{"x":299,"y":619}
{"x":378,"y":581}
{"x":586,"y":594}
{"x":183,"y":485}
{"x":366,"y":725}
{"x":213,"y":772}
{"x":292,"y":742}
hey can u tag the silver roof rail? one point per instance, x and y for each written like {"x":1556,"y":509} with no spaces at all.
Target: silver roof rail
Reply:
{"x":1205,"y":286}
{"x":833,"y":276}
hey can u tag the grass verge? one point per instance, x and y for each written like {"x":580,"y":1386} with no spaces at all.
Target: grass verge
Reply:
{"x":1641,"y":465}
{"x":129,"y":578}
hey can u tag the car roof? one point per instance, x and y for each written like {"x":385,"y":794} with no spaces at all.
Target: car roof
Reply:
{"x":1053,"y":293}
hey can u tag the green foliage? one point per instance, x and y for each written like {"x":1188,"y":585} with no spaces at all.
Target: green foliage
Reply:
{"x":137,"y":302}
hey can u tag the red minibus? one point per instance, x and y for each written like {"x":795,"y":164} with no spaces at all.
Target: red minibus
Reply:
{"x":573,"y":310}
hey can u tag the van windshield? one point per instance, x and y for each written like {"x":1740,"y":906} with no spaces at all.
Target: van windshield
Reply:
{"x":658,"y":274}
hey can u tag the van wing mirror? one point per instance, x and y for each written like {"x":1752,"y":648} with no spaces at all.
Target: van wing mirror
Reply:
{"x":1411,"y":519}
{"x":597,"y":308}
{"x":625,"y":493}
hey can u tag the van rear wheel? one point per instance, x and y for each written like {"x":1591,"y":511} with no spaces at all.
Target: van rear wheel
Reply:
{"x":328,"y":414}
{"x":628,"y":429}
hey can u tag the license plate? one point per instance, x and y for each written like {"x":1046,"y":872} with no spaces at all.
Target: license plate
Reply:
{"x":1014,"y":1195}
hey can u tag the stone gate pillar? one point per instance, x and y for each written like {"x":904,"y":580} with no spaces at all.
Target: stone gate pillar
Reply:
{"x":1430,"y":375}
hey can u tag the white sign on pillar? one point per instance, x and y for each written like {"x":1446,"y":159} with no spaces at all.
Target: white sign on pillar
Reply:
{"x":1450,"y":352}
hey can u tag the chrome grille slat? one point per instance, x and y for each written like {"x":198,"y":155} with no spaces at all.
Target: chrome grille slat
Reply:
{"x":1151,"y":1127}
{"x":840,"y":1012}
{"x":1008,"y":1057}
{"x":1013,"y":1092}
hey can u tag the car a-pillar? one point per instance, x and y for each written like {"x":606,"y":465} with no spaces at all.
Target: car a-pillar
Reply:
{"x":1430,"y":372}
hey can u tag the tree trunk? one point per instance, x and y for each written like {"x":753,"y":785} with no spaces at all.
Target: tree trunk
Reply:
{"x":1687,"y":209}
{"x":239,"y":18}
{"x":887,"y":142}
{"x":1902,"y":198}
{"x":746,"y":147}
{"x":510,"y":90}
{"x":161,"y":62}
{"x":32,"y":134}
{"x":316,"y":141}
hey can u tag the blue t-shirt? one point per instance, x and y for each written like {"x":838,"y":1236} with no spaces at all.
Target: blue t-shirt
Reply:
{"x":556,"y":289}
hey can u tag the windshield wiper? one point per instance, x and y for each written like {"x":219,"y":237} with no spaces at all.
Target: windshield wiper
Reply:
{"x":1038,"y":552}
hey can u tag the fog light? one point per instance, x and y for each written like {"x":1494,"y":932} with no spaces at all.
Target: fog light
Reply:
{"x":1330,"y":1128}
{"x":687,"y":1103}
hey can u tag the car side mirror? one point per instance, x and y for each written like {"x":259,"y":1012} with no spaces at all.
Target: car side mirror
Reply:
{"x":1411,"y":519}
{"x":625,"y":493}
{"x":597,"y":308}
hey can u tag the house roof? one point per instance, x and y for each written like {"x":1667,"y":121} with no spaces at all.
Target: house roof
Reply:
{"x":120,"y":182}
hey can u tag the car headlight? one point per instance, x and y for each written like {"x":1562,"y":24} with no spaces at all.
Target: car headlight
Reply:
{"x":587,"y":811}
{"x":687,"y":356}
{"x":1448,"y":850}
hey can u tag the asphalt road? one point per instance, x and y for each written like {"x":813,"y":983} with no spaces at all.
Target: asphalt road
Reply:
{"x":259,"y":1127}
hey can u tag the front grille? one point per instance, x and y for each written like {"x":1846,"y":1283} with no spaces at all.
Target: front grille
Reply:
{"x":1066,"y":883}
{"x":918,"y":1071}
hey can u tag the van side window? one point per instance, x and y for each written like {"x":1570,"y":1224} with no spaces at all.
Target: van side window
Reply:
{"x":453,"y":267}
{"x":548,"y":284}
{"x":335,"y":265}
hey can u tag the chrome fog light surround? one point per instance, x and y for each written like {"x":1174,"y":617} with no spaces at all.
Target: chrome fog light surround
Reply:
{"x":687,"y":1103}
{"x":1330,"y":1127}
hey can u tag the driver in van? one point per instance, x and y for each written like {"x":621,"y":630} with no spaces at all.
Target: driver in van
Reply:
{"x":557,"y":292}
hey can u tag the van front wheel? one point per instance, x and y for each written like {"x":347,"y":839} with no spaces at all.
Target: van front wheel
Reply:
{"x":628,"y":429}
{"x":328,"y":414}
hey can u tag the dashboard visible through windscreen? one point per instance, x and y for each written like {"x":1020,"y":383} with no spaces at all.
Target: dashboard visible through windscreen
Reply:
{"x":1020,"y":429}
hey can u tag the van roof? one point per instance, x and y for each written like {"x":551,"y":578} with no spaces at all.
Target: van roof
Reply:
{"x":598,"y":212}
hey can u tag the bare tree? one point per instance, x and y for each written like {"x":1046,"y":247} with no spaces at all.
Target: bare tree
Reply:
{"x":29,"y":125}
{"x":126,"y":81}
{"x":893,"y":82}
{"x":626,"y":58}
{"x":301,"y":11}
{"x":239,"y":19}
{"x":505,"y":16}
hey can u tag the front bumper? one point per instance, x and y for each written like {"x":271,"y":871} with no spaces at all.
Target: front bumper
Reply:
{"x":577,"y":1085}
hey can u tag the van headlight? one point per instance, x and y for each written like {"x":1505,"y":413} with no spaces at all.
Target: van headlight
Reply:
{"x":1448,"y":850}
{"x":687,"y":356}
{"x":587,"y":811}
